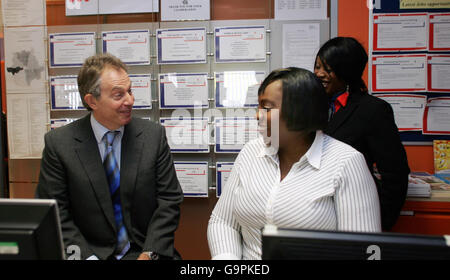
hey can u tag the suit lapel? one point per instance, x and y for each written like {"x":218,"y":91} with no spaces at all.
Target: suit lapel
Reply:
{"x":132,"y":148}
{"x":343,"y":114}
{"x":87,"y":149}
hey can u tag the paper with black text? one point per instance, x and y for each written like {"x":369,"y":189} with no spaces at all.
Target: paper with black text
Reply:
{"x":436,"y":119}
{"x":187,"y":135}
{"x":23,"y":12}
{"x":394,"y":73}
{"x":240,"y":44}
{"x":181,"y":45}
{"x":301,"y":42}
{"x":193,"y":178}
{"x":28,"y":117}
{"x":400,"y":32}
{"x":300,"y":9}
{"x":71,"y":49}
{"x":132,"y":47}
{"x":439,"y":73}
{"x":408,"y":110}
{"x":183,"y":90}
{"x":439,"y":38}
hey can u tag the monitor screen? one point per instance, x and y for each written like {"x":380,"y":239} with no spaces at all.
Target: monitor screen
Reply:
{"x":280,"y":244}
{"x":30,"y":230}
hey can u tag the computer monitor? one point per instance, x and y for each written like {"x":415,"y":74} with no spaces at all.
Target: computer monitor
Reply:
{"x":30,"y":229}
{"x":289,"y":244}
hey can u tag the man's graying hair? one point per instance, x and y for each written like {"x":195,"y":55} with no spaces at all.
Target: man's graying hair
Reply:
{"x":89,"y":75}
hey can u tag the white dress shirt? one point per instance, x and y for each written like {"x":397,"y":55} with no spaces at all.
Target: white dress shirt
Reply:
{"x":329,"y":188}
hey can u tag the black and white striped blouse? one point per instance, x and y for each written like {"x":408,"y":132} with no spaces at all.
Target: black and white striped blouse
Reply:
{"x":329,"y":188}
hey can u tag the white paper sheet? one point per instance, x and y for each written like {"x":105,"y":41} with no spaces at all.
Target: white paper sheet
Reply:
{"x":187,"y":135}
{"x":185,"y":10}
{"x":141,"y":87}
{"x":400,"y":32}
{"x":132,"y":47}
{"x":181,"y":46}
{"x":71,"y":49}
{"x":232,"y":133}
{"x":439,"y":73}
{"x":25,"y":68}
{"x":408,"y":110}
{"x":238,"y":89}
{"x":193,"y":178}
{"x":23,"y":12}
{"x":223,"y":171}
{"x":240,"y":44}
{"x":439,"y":32}
{"x":301,"y":42}
{"x":183,"y":90}
{"x":300,"y":9}
{"x":28,"y":118}
{"x":399,"y":73}
{"x":64,"y":93}
{"x":437,"y":116}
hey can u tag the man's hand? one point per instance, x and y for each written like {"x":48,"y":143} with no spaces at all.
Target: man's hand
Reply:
{"x":144,"y":257}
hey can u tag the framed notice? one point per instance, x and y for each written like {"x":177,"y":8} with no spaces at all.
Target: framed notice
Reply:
{"x":187,"y":135}
{"x":25,"y":62}
{"x":232,"y":133}
{"x":436,"y":119}
{"x":71,"y":49}
{"x":237,"y":89}
{"x":183,"y":90}
{"x":439,"y":32}
{"x":240,"y":44}
{"x":64,"y":93}
{"x":439,"y":73}
{"x":132,"y":47}
{"x":223,"y":171}
{"x":181,"y":46}
{"x":408,"y":110}
{"x":393,"y":73}
{"x":400,"y":32}
{"x":193,"y":178}
{"x":142,"y":90}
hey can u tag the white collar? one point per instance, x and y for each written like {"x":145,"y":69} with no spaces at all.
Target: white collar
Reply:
{"x":100,"y":130}
{"x":313,"y":155}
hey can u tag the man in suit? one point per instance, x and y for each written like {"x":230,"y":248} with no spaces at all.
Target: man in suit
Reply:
{"x":118,"y":196}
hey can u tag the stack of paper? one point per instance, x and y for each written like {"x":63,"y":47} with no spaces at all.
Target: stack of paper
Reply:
{"x":418,"y":187}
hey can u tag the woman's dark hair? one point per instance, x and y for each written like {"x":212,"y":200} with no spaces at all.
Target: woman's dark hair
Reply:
{"x":347,"y":58}
{"x":304,"y":104}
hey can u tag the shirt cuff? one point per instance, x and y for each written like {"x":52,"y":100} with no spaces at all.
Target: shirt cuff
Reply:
{"x":225,"y":256}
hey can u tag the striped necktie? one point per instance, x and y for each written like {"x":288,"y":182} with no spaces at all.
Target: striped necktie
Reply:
{"x":113,"y":176}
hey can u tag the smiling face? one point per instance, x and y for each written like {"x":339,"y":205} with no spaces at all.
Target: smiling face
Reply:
{"x":113,"y":108}
{"x":330,"y":81}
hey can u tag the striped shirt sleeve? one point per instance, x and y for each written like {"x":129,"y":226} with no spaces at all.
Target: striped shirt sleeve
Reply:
{"x":356,"y":198}
{"x":224,"y":233}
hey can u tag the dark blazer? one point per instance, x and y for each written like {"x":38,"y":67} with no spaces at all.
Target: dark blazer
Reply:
{"x":367,"y":124}
{"x":72,"y":173}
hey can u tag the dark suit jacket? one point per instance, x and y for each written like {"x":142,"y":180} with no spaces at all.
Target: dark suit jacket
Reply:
{"x":367,"y":124}
{"x":72,"y":173}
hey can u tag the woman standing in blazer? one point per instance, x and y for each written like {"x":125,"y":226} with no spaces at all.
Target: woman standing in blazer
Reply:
{"x":363,"y":121}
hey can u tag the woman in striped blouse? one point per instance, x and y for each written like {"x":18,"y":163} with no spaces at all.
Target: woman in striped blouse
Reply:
{"x":294,"y":176}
